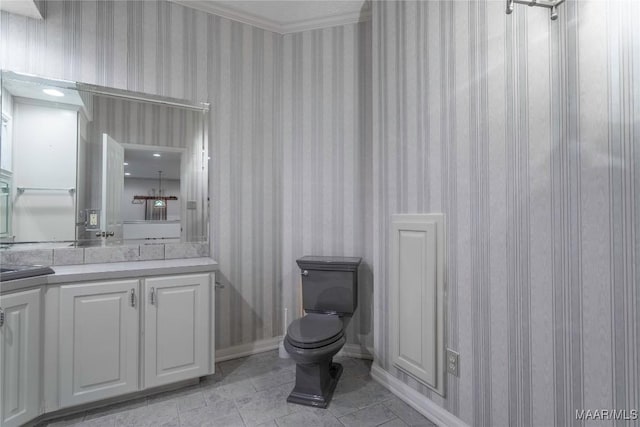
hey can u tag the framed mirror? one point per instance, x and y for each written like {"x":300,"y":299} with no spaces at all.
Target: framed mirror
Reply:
{"x":83,"y":165}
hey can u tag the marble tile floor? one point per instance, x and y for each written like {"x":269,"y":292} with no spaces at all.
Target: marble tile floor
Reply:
{"x":252,"y":391}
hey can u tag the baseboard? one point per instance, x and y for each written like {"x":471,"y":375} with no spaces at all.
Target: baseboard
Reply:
{"x":243,"y":350}
{"x":413,"y":398}
{"x":357,"y":351}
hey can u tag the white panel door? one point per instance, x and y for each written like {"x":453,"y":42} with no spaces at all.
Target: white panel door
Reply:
{"x":417,"y":297}
{"x":177,"y":329}
{"x":98,"y":341}
{"x":44,"y":161}
{"x":112,"y":187}
{"x":20,"y":357}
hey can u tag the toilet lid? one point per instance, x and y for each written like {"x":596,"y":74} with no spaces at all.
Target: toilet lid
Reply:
{"x":314,"y":328}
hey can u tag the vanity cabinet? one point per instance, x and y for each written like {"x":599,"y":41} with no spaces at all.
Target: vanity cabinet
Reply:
{"x":98,"y":342}
{"x":176,"y":324}
{"x":105,"y":332}
{"x":109,"y":338}
{"x":20,"y":357}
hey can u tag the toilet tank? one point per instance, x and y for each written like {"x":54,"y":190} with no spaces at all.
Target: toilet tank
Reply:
{"x":329,"y":284}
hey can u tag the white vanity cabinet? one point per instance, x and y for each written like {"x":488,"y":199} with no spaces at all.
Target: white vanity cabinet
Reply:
{"x":109,"y":338}
{"x":20,"y":353}
{"x":176,"y":338}
{"x":98,"y":344}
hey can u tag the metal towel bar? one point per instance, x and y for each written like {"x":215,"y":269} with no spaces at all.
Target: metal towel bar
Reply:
{"x":23,"y":189}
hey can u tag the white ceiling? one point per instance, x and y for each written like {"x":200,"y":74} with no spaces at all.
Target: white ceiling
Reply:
{"x":286,"y":16}
{"x":142,"y":164}
{"x":27,"y":8}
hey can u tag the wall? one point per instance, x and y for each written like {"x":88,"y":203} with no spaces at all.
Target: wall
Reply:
{"x":326,"y":165}
{"x":166,"y":49}
{"x":524,"y":131}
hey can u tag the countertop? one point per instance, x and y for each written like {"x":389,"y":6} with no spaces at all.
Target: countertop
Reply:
{"x":113,"y":270}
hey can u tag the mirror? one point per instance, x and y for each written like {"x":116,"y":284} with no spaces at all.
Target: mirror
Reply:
{"x":84,"y":165}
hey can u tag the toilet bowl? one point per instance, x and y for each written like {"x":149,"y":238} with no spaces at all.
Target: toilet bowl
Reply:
{"x":314,"y":337}
{"x":312,"y":341}
{"x":329,"y":288}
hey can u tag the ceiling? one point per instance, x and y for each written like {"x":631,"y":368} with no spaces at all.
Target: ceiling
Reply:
{"x":286,"y":16}
{"x":32,"y":88}
{"x":142,"y":164}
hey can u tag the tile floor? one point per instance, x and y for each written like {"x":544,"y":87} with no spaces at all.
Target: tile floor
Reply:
{"x":252,"y":391}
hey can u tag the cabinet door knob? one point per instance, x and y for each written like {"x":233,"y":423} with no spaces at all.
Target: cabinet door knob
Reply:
{"x":1,"y":317}
{"x":153,"y":296}
{"x":305,"y":272}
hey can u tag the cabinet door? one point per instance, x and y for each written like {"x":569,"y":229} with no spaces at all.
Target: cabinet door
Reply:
{"x":176,"y":328}
{"x":98,"y":341}
{"x":20,"y":357}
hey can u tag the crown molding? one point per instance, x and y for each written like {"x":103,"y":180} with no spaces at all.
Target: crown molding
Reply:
{"x":325,"y":22}
{"x":276,"y":27}
{"x":29,"y":8}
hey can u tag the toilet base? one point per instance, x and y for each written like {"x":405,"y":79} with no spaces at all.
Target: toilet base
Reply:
{"x":315,"y":384}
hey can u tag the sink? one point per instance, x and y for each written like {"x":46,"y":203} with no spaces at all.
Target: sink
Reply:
{"x":12,"y":272}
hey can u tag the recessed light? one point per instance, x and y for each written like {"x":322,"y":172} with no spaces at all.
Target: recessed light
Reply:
{"x":126,"y":164}
{"x":53,"y":92}
{"x":127,"y":173}
{"x":156,"y":154}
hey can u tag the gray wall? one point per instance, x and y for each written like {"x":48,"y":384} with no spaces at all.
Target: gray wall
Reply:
{"x":326,"y":171}
{"x":525,"y":132}
{"x":166,"y":49}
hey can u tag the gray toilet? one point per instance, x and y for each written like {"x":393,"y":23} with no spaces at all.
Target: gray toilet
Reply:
{"x":329,"y":298}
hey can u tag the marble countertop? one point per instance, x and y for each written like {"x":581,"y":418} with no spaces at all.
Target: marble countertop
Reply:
{"x":113,"y":270}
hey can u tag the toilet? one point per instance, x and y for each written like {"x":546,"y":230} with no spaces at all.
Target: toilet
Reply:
{"x":329,"y":298}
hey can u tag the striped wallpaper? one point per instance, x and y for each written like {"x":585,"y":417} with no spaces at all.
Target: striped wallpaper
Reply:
{"x":163,"y":48}
{"x":525,"y":132}
{"x":327,"y":159}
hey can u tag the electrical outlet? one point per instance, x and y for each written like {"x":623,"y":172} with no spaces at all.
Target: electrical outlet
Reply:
{"x":453,"y":360}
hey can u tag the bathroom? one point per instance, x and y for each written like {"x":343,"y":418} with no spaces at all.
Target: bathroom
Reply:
{"x":324,"y":120}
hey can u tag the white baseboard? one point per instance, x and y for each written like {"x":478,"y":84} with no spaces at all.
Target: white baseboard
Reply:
{"x":357,"y":351}
{"x":413,"y":398}
{"x":349,"y":350}
{"x":247,"y":349}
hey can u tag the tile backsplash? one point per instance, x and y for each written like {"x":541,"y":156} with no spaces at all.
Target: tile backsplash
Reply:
{"x":98,"y":255}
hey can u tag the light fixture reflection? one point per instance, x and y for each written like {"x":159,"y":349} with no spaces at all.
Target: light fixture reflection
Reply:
{"x":53,"y":92}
